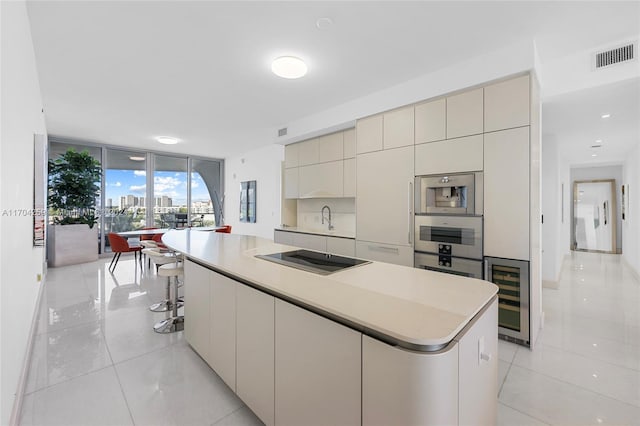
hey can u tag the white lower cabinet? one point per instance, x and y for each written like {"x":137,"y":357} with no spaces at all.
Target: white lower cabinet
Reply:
{"x":399,"y":255}
{"x":222,"y":349}
{"x":255,"y":351}
{"x":197,"y":311}
{"x":341,"y":246}
{"x":310,"y":241}
{"x":283,"y":237}
{"x":318,"y":365}
{"x":401,"y":387}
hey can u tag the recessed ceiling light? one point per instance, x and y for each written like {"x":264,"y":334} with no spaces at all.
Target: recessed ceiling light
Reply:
{"x":324,"y":23}
{"x":594,"y":155}
{"x":289,"y":67}
{"x":606,"y":115}
{"x":133,"y":158}
{"x":598,"y":140}
{"x":167,"y":140}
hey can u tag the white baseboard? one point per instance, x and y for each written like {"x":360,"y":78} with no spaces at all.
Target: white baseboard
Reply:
{"x":14,"y":420}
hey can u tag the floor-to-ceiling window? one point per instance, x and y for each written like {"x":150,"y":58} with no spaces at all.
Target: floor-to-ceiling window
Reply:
{"x":143,"y":189}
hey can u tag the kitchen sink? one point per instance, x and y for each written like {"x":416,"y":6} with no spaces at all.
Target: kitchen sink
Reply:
{"x":313,"y":261}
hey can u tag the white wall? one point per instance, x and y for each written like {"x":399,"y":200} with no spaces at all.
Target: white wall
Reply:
{"x":551,"y":209}
{"x":20,"y":262}
{"x":264,"y":166}
{"x":602,"y":172}
{"x":631,"y":225}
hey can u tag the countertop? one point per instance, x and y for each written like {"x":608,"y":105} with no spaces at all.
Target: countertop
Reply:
{"x":411,"y":307}
{"x":326,"y":233}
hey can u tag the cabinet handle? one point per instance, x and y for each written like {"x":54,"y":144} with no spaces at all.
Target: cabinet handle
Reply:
{"x":385,"y":249}
{"x":410,"y":209}
{"x":486,"y":269}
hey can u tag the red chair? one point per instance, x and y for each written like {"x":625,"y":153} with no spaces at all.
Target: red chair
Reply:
{"x":147,"y":237}
{"x":158,"y":239}
{"x":120,"y":245}
{"x":226,"y":229}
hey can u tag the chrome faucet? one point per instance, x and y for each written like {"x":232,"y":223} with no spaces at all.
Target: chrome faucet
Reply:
{"x":329,"y":219}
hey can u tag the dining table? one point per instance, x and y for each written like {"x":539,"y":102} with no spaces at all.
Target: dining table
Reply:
{"x":141,"y":232}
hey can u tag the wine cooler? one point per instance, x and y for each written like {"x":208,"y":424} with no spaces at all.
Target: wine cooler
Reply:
{"x":512,"y":279}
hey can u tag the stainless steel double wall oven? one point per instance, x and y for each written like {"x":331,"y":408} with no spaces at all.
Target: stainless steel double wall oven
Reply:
{"x":448,"y":223}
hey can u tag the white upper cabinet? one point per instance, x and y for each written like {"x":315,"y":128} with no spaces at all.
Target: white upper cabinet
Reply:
{"x":321,"y":180}
{"x":431,"y":121}
{"x":308,"y":152}
{"x":349,"y":143}
{"x":506,"y":193}
{"x":506,"y":104}
{"x":291,"y":155}
{"x":369,"y":134}
{"x":291,"y":189}
{"x":450,"y":156}
{"x":330,"y":147}
{"x":350,"y":177}
{"x":465,"y":114}
{"x":398,"y":128}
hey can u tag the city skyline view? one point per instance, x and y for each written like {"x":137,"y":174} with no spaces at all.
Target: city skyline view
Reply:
{"x":121,"y":183}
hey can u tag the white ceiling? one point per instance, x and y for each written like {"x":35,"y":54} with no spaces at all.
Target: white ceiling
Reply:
{"x":123,"y":72}
{"x":575,"y":121}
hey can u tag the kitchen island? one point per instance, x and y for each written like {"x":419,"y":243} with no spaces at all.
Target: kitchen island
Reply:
{"x":373,"y":344}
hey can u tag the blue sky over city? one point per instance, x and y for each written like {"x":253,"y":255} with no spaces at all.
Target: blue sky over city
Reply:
{"x":172,"y":184}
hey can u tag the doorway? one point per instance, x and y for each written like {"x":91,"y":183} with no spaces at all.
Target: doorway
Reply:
{"x":594,"y":216}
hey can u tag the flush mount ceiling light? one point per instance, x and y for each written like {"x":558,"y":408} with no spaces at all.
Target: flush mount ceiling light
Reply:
{"x":133,"y":158}
{"x":324,"y":23}
{"x":289,"y":67}
{"x":605,"y":115}
{"x":594,"y":155}
{"x":167,"y":140}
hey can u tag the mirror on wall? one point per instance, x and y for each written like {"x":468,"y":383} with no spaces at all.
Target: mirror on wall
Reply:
{"x":594,"y":216}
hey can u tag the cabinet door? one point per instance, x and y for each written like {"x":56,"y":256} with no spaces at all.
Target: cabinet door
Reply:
{"x":330,"y":147}
{"x":398,"y":128}
{"x":464,"y":114}
{"x":197,"y":283}
{"x":321,"y":180}
{"x":450,"y":156}
{"x":402,"y":387}
{"x":223,"y":328}
{"x":506,"y":194}
{"x":478,"y":377}
{"x":506,"y":104}
{"x":291,"y":183}
{"x":308,"y":152}
{"x":255,"y":351}
{"x":384,"y":205}
{"x":398,"y":255}
{"x":283,"y":237}
{"x":341,"y":246}
{"x":369,"y":134}
{"x":318,"y":364}
{"x":309,"y":241}
{"x":350,"y":177}
{"x":349,"y":143}
{"x":291,"y":155}
{"x":431,"y":121}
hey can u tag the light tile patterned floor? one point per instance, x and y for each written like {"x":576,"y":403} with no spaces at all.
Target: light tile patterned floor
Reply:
{"x":96,"y":360}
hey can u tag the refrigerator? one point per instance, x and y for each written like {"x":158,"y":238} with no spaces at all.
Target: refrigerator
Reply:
{"x":512,"y":278}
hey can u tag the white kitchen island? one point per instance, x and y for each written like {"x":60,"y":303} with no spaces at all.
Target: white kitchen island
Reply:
{"x":377,"y":344}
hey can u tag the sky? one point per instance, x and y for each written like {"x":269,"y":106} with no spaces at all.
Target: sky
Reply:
{"x":172,"y":184}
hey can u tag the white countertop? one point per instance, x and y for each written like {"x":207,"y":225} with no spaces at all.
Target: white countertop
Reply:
{"x":409,"y":305}
{"x":326,"y":233}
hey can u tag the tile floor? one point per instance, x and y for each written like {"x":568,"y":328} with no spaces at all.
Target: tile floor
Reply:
{"x":96,"y":360}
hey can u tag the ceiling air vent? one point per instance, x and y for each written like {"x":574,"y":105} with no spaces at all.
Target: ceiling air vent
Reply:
{"x":615,"y":56}
{"x":282,"y":132}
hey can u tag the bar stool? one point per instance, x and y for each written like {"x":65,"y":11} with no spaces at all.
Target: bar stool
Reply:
{"x":175,"y":322}
{"x":160,"y":260}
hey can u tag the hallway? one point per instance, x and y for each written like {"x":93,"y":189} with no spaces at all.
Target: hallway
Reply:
{"x":96,"y":360}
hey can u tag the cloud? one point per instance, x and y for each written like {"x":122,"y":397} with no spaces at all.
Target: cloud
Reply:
{"x":140,"y":172}
{"x":162,"y":184}
{"x":194,"y":184}
{"x":138,"y":188}
{"x":117,"y":184}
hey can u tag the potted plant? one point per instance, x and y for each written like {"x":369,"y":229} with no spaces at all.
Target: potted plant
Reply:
{"x":73,"y":188}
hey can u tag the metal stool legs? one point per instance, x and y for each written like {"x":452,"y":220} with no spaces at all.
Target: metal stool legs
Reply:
{"x":175,"y":322}
{"x":166,"y":304}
